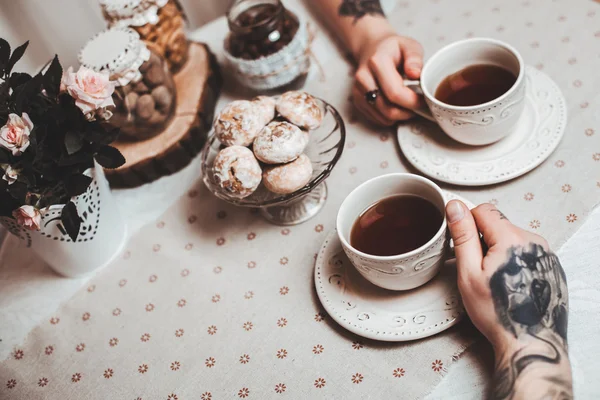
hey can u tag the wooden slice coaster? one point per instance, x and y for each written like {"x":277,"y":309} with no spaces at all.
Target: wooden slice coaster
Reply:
{"x":198,"y":88}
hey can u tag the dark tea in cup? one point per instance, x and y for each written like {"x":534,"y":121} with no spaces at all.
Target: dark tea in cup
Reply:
{"x":476,"y":84}
{"x":396,"y":225}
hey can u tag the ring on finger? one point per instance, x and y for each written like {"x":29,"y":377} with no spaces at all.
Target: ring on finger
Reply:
{"x":371,"y":96}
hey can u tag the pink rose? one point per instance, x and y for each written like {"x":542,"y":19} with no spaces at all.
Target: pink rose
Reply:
{"x":28,"y":217}
{"x":14,"y":136}
{"x":91,"y":90}
{"x":10,"y":174}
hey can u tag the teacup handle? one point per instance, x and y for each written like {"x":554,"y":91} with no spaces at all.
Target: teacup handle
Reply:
{"x":424,"y":112}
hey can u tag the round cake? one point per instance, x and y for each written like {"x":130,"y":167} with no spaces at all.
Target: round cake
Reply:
{"x":237,"y":171}
{"x":238,"y":123}
{"x":301,"y":109}
{"x":280,"y":142}
{"x":287,"y":178}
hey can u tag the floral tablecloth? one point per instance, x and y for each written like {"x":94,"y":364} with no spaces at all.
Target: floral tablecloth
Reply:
{"x":209,"y":301}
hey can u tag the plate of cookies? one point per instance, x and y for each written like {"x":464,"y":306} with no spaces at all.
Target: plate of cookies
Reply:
{"x":274,"y":153}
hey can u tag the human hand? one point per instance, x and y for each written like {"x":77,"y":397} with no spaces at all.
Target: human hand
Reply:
{"x":379,"y":59}
{"x":516,"y":295}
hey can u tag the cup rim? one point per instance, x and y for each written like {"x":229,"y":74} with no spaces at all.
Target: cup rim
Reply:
{"x":510,"y":91}
{"x":408,"y":254}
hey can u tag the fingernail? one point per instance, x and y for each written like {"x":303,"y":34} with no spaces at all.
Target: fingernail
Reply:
{"x":455,"y":211}
{"x":415,"y":67}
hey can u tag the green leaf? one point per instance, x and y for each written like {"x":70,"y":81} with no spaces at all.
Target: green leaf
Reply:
{"x":25,"y":93}
{"x":4,"y":55}
{"x":33,"y":138}
{"x":77,"y":158}
{"x":52,"y":78}
{"x":4,"y":91}
{"x":71,"y":220}
{"x":3,"y":112}
{"x":73,"y":142}
{"x":7,"y":203}
{"x":109,"y":157}
{"x":97,"y":133}
{"x":16,"y":56}
{"x":18,"y":191}
{"x":110,"y":135}
{"x":19,"y":78}
{"x":28,"y":177}
{"x":4,"y":157}
{"x":77,"y":184}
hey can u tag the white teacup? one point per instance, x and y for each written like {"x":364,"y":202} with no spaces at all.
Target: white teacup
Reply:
{"x":483,"y":123}
{"x":404,"y":271}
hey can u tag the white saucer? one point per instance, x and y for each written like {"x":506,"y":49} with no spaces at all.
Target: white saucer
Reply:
{"x":540,"y":130}
{"x":380,"y":314}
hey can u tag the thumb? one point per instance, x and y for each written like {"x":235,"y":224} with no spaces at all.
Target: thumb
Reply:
{"x":412,"y":53}
{"x":469,"y":254}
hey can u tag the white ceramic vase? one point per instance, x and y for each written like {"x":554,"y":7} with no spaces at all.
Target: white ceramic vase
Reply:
{"x":102,"y":234}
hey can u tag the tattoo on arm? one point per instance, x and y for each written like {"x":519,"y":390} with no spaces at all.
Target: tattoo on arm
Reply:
{"x":531,"y":301}
{"x":360,"y":8}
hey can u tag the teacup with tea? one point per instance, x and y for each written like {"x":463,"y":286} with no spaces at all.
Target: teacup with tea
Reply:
{"x":393,"y":230}
{"x":474,"y":90}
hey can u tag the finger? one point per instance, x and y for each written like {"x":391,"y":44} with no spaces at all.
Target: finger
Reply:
{"x":413,"y":57}
{"x":373,"y":116}
{"x":391,"y":112}
{"x":366,"y":82}
{"x":469,"y":255}
{"x":399,"y":114}
{"x":493,"y":224}
{"x":368,"y":110}
{"x":386,"y":74}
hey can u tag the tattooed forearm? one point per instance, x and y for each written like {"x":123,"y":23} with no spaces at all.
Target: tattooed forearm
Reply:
{"x":360,"y":8}
{"x":531,"y":301}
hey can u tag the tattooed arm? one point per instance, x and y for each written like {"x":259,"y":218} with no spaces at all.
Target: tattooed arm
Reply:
{"x":380,"y":53}
{"x":354,"y":20}
{"x":516,"y":295}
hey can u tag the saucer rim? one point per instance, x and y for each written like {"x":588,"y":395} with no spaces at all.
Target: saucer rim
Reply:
{"x":498,"y":177}
{"x":400,"y":335}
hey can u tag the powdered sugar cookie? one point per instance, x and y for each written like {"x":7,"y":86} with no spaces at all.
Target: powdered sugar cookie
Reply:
{"x":280,"y":142}
{"x":238,"y":123}
{"x":266,"y":108}
{"x":300,"y":109}
{"x":287,"y":178}
{"x":237,"y":171}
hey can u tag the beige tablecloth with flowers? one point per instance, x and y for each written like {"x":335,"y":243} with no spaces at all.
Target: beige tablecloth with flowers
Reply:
{"x":210,"y":302}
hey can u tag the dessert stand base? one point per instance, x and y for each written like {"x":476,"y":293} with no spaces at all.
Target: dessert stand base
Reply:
{"x":297,"y":211}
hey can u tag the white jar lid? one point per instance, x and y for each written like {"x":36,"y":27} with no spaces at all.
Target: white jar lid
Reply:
{"x":131,"y":12}
{"x":118,"y":51}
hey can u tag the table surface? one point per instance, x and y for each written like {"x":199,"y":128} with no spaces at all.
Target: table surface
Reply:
{"x":467,"y":379}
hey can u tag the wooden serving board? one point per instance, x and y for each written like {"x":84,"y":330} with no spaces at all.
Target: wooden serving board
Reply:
{"x":198,"y":88}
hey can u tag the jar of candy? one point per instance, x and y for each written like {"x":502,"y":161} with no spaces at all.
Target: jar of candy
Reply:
{"x":145,"y":96}
{"x":160,"y":22}
{"x":267,"y":44}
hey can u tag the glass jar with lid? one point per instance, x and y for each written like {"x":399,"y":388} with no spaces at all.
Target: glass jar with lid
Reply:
{"x":159,"y":22}
{"x":267,"y":44}
{"x":145,"y":96}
